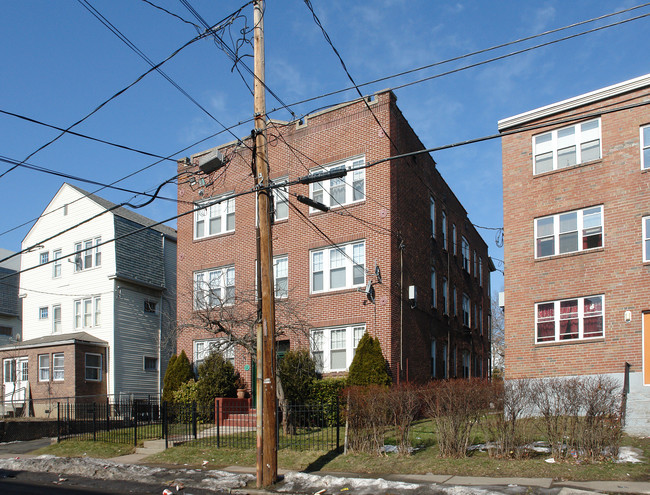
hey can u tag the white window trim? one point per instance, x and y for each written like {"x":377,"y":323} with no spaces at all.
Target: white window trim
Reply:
{"x":643,"y":147}
{"x":98,"y":368}
{"x":556,"y":319}
{"x":79,"y":314}
{"x":214,"y":282}
{"x":54,"y":319}
{"x":43,"y":313}
{"x":348,"y":263}
{"x":347,"y":182}
{"x":554,"y":146}
{"x":218,"y":204}
{"x":57,"y":265}
{"x":278,"y":293}
{"x":580,"y":227}
{"x":56,"y":369}
{"x":201,"y":349}
{"x":350,"y":347}
{"x":85,"y":250}
{"x":43,"y":370}
{"x":44,"y":258}
{"x":645,"y":244}
{"x":280,"y":195}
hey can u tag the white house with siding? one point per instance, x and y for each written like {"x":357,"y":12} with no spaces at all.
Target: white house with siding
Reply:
{"x":95,"y":274}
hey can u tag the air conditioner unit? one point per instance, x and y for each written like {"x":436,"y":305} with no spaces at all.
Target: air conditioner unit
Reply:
{"x":211,"y":161}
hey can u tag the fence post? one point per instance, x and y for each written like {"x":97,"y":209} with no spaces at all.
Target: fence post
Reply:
{"x":164,"y":423}
{"x":194,"y":432}
{"x":338,"y":423}
{"x":108,"y":416}
{"x":58,"y":422}
{"x":134,"y":409}
{"x":94,"y":422}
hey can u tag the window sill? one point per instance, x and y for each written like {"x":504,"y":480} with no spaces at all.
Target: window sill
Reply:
{"x":568,"y":255}
{"x":214,"y":236}
{"x":569,"y":342}
{"x":564,"y":169}
{"x":338,"y":291}
{"x":315,"y":212}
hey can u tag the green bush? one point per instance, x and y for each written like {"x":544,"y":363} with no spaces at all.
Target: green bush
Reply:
{"x":368,"y":366}
{"x":297,"y":372}
{"x":179,"y":371}
{"x":217,"y":378}
{"x":328,"y":392}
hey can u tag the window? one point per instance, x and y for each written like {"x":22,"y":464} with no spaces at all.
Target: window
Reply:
{"x":645,"y":147}
{"x":57,"y":367}
{"x":566,"y":147}
{"x":9,"y":370}
{"x":465,"y":254}
{"x":444,"y":361}
{"x":444,"y":230}
{"x":214,"y":287}
{"x":334,"y":348}
{"x":433,"y":359}
{"x":466,"y":310}
{"x":281,"y":202}
{"x":6,"y":331}
{"x":453,"y":237}
{"x":445,"y":296}
{"x":150,"y":306}
{"x":150,"y":363}
{"x":480,"y":272}
{"x":432,"y":216}
{"x":217,"y":217}
{"x":44,"y":258}
{"x":203,"y":348}
{"x":87,"y":312}
{"x":646,"y":239}
{"x":569,"y":232}
{"x":466,"y":361}
{"x":340,"y":267}
{"x":93,"y":367}
{"x":341,"y":191}
{"x":454,"y":302}
{"x":43,"y":367}
{"x":433,"y":288}
{"x":56,"y":318}
{"x":475,"y":264}
{"x":480,"y":319}
{"x":56,"y":267}
{"x":281,"y":277}
{"x":43,"y":313}
{"x":579,"y":318}
{"x":85,"y":253}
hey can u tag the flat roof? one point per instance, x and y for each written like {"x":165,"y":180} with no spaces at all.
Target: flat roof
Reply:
{"x":576,"y":101}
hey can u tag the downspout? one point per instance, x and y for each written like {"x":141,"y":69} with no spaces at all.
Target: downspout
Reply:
{"x":160,"y":314}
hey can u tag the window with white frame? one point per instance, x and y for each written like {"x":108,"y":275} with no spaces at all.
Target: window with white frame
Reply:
{"x":57,"y":367}
{"x":43,"y":313}
{"x":433,"y":288}
{"x":570,"y":319}
{"x":87,"y":254}
{"x":44,"y":258}
{"x":216,"y":217}
{"x":465,"y":253}
{"x":214,"y":287}
{"x":93,"y":367}
{"x":281,"y":202}
{"x":340,"y":267}
{"x":43,"y":367}
{"x":9,"y":371}
{"x":281,"y":276}
{"x":569,"y":232}
{"x":432,"y":216}
{"x":342,"y":191}
{"x":444,"y":229}
{"x":445,"y":296}
{"x":87,"y":312}
{"x":203,"y":348}
{"x":466,"y":310}
{"x":333,"y":348}
{"x":566,"y":147}
{"x":56,"y":266}
{"x":56,"y":318}
{"x":645,"y":147}
{"x":646,"y":238}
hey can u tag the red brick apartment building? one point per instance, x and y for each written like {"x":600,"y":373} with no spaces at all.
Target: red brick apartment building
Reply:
{"x":576,"y":206}
{"x":431,"y":309}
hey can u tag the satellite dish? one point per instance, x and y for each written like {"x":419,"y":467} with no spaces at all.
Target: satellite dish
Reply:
{"x":370,"y":293}
{"x":378,"y":274}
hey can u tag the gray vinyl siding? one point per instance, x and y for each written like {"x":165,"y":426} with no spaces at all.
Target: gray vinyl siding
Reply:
{"x":8,"y":292}
{"x":168,"y":342}
{"x":139,"y":257}
{"x":136,"y":336}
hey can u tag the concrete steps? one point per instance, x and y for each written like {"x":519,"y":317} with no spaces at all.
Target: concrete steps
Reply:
{"x":151,"y":447}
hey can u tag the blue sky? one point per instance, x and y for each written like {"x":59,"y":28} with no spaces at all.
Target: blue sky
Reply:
{"x":59,"y":63}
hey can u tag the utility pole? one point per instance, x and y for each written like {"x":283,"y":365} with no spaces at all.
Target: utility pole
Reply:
{"x":269,"y":469}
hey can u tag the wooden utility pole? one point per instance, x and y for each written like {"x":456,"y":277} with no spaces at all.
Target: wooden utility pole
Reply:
{"x":269,"y":409}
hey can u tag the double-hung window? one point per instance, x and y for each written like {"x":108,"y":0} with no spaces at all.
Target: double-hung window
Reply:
{"x":566,"y":147}
{"x":87,"y":312}
{"x":203,"y":348}
{"x":334,"y":348}
{"x":56,"y":266}
{"x":569,"y":232}
{"x":432,"y":216}
{"x":445,"y":296}
{"x":43,"y":367}
{"x":645,"y":147}
{"x":214,"y":287}
{"x":444,"y":230}
{"x":86,"y":253}
{"x":341,"y":191}
{"x":466,"y":310}
{"x":570,"y":319}
{"x":281,"y":202}
{"x":480,"y":272}
{"x":58,"y":367}
{"x":433,"y":288}
{"x":281,"y":276}
{"x":340,"y":267}
{"x":93,"y":367}
{"x":453,"y":237}
{"x":216,"y":216}
{"x":56,"y":318}
{"x":646,"y":239}
{"x":465,"y":254}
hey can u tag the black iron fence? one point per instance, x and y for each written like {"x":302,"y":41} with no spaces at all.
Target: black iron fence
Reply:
{"x":225,"y":423}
